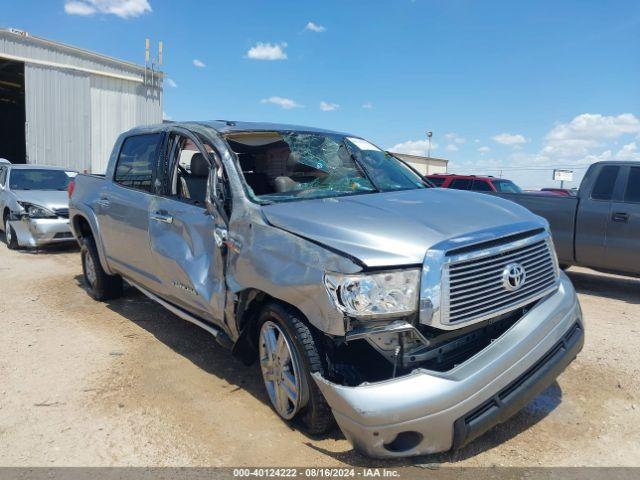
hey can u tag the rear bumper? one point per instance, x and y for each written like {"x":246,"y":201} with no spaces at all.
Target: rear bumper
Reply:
{"x":429,"y":412}
{"x":35,"y":232}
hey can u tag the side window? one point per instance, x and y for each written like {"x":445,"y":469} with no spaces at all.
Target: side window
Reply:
{"x":632,"y":192}
{"x":137,"y":160}
{"x":191,"y":171}
{"x":606,"y":181}
{"x":481,"y":186}
{"x":461,"y":184}
{"x":437,"y":181}
{"x":3,"y":175}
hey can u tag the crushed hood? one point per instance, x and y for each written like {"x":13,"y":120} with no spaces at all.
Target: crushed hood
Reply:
{"x":51,"y":199}
{"x":395,"y":228}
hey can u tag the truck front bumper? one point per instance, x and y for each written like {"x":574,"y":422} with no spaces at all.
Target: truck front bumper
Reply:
{"x":428,"y":412}
{"x":35,"y":232}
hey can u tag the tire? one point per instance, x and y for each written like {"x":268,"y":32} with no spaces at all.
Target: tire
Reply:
{"x":101,"y":285}
{"x":10,"y":235}
{"x":310,"y":406}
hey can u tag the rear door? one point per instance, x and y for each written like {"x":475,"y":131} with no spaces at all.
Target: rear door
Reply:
{"x":594,"y":215}
{"x":124,"y":208}
{"x":181,"y":229}
{"x":623,"y":233}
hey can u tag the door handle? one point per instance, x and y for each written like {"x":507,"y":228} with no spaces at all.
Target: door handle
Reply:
{"x":620,"y":217}
{"x":161,"y":217}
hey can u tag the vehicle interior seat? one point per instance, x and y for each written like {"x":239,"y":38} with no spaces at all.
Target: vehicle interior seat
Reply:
{"x":194,"y":186}
{"x":258,"y":181}
{"x":285,"y":183}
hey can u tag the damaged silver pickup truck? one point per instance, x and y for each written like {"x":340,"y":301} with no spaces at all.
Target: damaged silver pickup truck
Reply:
{"x":417,"y":317}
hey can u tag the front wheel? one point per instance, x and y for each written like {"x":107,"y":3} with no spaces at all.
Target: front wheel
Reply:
{"x":10,"y":235}
{"x":288,"y":356}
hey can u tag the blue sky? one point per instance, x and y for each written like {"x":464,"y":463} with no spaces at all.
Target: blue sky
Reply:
{"x":503,"y":84}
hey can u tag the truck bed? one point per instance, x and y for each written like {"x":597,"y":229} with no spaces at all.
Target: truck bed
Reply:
{"x":561,"y":214}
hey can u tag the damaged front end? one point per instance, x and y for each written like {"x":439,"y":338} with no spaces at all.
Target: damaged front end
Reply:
{"x":473,"y":353}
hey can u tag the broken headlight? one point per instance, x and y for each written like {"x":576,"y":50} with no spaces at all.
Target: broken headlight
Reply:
{"x":36,"y":211}
{"x":377,"y":294}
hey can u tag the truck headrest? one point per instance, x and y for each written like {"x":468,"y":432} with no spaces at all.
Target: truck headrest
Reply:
{"x":199,"y":165}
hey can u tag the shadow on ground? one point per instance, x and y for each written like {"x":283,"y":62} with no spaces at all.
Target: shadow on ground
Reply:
{"x":200,"y":348}
{"x":626,"y":289}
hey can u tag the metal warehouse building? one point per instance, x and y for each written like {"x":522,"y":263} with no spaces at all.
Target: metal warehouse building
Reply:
{"x":60,"y":105}
{"x":425,"y":165}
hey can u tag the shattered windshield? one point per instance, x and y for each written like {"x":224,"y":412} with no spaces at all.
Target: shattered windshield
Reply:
{"x":286,"y":166}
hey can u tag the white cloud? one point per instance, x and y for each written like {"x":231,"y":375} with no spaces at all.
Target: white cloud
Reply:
{"x":171,"y":83}
{"x":452,"y":147}
{"x":628,"y":152}
{"x":120,"y":8}
{"x":587,"y":132}
{"x":455,"y":138}
{"x":413,"y":147}
{"x":328,"y":107}
{"x":367,"y":105}
{"x":268,"y":51}
{"x":509,"y":139}
{"x":282,"y":102}
{"x":198,"y":63}
{"x":314,"y":27}
{"x":484,"y":149}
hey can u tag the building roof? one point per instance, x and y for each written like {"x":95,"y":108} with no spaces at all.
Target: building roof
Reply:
{"x":25,"y":38}
{"x":419,"y":158}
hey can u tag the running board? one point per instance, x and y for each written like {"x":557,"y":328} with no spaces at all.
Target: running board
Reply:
{"x":181,"y":313}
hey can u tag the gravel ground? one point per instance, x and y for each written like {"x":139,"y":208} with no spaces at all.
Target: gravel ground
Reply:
{"x":127,"y":383}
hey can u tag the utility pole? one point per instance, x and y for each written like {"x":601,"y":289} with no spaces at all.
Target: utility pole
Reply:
{"x":429,"y":135}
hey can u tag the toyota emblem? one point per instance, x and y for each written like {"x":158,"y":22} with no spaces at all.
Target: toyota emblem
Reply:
{"x":513,"y":277}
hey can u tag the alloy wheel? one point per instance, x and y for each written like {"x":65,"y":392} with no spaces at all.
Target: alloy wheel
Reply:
{"x":280,"y":371}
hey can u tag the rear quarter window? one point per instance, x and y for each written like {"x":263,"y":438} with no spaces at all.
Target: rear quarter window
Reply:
{"x":137,"y":161}
{"x":437,"y":181}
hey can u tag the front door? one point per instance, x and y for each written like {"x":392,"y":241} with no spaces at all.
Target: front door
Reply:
{"x":123,"y":209}
{"x":181,"y":230}
{"x":623,"y":232}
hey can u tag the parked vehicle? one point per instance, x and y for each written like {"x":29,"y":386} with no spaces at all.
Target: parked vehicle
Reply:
{"x":34,"y":205}
{"x":564,"y":192}
{"x":362,"y":291}
{"x":473,"y":182}
{"x":600,"y":227}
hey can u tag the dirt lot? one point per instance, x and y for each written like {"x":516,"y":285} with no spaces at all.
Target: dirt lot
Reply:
{"x":128,"y":383}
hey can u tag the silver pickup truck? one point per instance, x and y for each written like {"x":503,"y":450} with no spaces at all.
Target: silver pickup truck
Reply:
{"x":415,"y":317}
{"x":600,"y":227}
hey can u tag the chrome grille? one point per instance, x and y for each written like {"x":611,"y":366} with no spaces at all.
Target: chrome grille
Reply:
{"x":474,"y":287}
{"x":62,"y":212}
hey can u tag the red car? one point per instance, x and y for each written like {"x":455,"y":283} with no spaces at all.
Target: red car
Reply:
{"x":473,"y":182}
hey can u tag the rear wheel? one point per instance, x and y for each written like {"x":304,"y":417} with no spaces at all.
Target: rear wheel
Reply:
{"x":101,"y":285}
{"x":288,"y":356}
{"x":10,"y":235}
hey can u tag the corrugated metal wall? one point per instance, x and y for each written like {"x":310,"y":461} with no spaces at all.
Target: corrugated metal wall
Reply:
{"x":73,"y":118}
{"x":117,"y":106}
{"x":58,"y":118}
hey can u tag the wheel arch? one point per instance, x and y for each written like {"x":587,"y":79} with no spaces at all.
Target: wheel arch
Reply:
{"x":83,"y":226}
{"x":249,"y":303}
